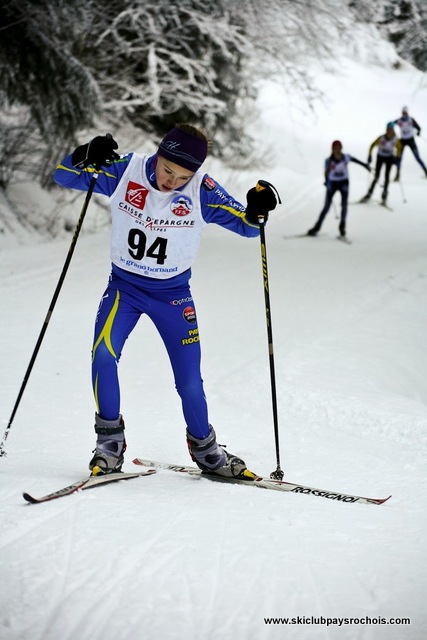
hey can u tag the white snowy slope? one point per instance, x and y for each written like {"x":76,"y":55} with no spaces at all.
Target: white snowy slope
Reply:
{"x":172,"y":557}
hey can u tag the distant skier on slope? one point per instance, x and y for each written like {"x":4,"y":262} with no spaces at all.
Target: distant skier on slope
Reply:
{"x":388,"y":149}
{"x":408,"y":126}
{"x":160,"y":205}
{"x":336,"y":179}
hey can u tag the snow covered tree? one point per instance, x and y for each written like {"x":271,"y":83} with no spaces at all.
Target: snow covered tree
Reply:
{"x":199,"y":60}
{"x":403,"y":22}
{"x":44,"y":88}
{"x":159,"y":63}
{"x":37,"y":69}
{"x":151,"y":64}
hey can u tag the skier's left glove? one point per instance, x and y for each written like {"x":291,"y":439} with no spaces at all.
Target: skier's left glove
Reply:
{"x":261,"y":199}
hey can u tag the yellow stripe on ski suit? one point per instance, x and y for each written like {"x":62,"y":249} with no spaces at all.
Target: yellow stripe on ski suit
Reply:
{"x":235,"y":212}
{"x":86,"y":170}
{"x":106,"y":336}
{"x":106,"y":329}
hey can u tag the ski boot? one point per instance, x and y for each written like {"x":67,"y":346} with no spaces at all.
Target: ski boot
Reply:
{"x":365,"y":198}
{"x":110,"y":446}
{"x":211,"y":458}
{"x":313,"y":232}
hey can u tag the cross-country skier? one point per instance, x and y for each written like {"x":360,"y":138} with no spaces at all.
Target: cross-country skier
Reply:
{"x":160,"y":206}
{"x":388,"y":148}
{"x":336,"y":179}
{"x":408,"y":126}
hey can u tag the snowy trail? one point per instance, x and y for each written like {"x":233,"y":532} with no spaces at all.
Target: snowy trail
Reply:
{"x":161,"y":555}
{"x":139,"y":544}
{"x":174,"y":557}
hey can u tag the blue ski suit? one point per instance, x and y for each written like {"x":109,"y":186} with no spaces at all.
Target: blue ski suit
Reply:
{"x":151,"y":268}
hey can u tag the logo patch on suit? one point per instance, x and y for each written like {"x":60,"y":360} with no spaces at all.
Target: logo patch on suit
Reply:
{"x":181,"y":205}
{"x":189,"y":314}
{"x":208,"y":184}
{"x":136,"y":195}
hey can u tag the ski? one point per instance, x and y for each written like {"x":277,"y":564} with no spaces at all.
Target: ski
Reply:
{"x":385,"y":205}
{"x":263,"y":483}
{"x":321,"y":235}
{"x":87,"y":483}
{"x":304,"y":235}
{"x":376,"y":202}
{"x":362,"y":201}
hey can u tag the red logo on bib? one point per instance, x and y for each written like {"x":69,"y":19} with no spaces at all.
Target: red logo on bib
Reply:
{"x":136,"y":195}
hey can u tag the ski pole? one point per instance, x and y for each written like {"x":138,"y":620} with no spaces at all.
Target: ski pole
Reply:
{"x":335,"y":210}
{"x":51,"y":308}
{"x":278,"y":473}
{"x":402,"y":191}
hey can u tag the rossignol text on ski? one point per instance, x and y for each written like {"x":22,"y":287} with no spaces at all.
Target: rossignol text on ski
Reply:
{"x":251,"y":479}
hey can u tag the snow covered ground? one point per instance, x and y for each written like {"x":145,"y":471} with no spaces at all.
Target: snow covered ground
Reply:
{"x":177,"y":558}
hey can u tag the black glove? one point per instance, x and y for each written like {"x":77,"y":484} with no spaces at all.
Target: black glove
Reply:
{"x":98,"y":152}
{"x":260,"y":201}
{"x":369,"y":159}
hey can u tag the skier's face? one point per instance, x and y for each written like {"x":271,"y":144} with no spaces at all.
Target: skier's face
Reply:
{"x":170,"y":176}
{"x":336,"y":149}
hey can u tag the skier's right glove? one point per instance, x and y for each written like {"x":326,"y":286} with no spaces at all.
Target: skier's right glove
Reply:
{"x":369,"y":159}
{"x":261,"y":199}
{"x":98,"y":152}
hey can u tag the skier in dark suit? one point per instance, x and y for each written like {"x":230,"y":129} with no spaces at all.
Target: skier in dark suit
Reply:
{"x":336,"y":179}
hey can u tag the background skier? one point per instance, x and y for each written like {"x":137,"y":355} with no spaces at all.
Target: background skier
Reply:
{"x":388,"y":149}
{"x":336,"y":179}
{"x":408,"y":126}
